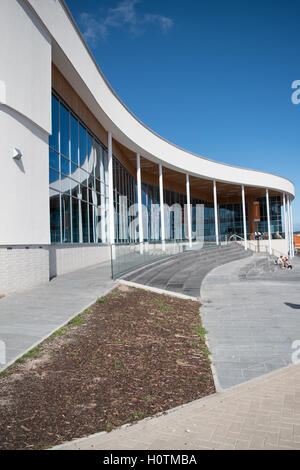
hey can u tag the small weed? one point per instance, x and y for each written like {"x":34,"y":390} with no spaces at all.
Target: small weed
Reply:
{"x":115,"y":293}
{"x":88,"y":310}
{"x":109,"y":427}
{"x":118,"y":341}
{"x":59,"y":332}
{"x":138,"y":414}
{"x":149,"y":399}
{"x":193,"y":344}
{"x":205,"y":350}
{"x":201,"y":331}
{"x":117,"y":364}
{"x":77,"y":321}
{"x":32,"y":353}
{"x":164,"y":307}
{"x":101,"y":300}
{"x":178,"y":353}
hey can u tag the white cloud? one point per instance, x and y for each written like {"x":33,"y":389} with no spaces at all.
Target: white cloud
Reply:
{"x":124,"y":15}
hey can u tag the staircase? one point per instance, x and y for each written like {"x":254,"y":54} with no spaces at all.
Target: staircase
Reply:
{"x":185,"y":272}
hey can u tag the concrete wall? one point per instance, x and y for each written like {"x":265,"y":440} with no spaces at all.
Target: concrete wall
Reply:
{"x":68,"y":258}
{"x":23,"y":268}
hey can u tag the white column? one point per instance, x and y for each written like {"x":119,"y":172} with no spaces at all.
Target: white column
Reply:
{"x":286,"y":230}
{"x":111,"y":196}
{"x":139,"y":197}
{"x":103,"y":179}
{"x":288,"y":224}
{"x":292,"y":231}
{"x":244,"y":217}
{"x":268,"y":218}
{"x":188,"y":202}
{"x":216,"y":213}
{"x":161,"y":201}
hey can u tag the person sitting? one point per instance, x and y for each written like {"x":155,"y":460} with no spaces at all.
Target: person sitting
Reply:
{"x":288,"y":264}
{"x":283,"y":262}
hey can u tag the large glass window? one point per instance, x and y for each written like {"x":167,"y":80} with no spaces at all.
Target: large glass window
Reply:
{"x":77,"y":180}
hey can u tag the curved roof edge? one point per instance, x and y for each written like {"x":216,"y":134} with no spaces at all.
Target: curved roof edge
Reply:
{"x":124,"y":125}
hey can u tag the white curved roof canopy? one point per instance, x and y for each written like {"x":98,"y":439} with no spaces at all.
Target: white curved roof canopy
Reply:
{"x":72,"y":56}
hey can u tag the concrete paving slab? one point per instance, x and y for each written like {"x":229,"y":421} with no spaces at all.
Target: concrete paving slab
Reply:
{"x":250,"y":325}
{"x":28,"y":317}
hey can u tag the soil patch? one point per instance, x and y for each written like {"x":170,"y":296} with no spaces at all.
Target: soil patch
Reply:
{"x":131,"y":355}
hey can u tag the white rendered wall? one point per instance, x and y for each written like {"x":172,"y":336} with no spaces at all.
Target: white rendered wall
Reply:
{"x":25,"y":123}
{"x":25,"y":63}
{"x":24,"y":184}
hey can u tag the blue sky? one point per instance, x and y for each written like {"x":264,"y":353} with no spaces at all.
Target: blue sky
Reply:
{"x":213,"y":77}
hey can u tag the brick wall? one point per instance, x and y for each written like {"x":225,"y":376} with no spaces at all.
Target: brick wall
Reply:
{"x":23,"y":268}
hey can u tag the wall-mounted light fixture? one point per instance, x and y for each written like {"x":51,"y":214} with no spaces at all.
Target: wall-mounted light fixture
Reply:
{"x":17,"y":154}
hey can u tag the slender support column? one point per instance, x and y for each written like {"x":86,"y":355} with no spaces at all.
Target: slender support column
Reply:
{"x":188,"y":202}
{"x":161,"y":201}
{"x":268,"y":218}
{"x":111,"y":196}
{"x":139,"y":197}
{"x":292,"y":232}
{"x":244,"y":217}
{"x":216,"y":213}
{"x":103,"y":210}
{"x":286,"y":230}
{"x":288,"y":224}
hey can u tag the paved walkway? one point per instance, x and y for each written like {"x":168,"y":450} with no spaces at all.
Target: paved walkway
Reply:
{"x":251,"y":312}
{"x":261,"y":414}
{"x":27,"y":317}
{"x":184,"y":273}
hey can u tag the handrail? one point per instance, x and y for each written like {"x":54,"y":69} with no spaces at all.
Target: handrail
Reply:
{"x":257,"y":248}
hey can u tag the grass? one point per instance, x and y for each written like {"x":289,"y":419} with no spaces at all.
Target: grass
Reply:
{"x":149,"y":399}
{"x":138,"y":415}
{"x":32,"y":353}
{"x":109,"y":427}
{"x":201,"y":331}
{"x":60,"y":332}
{"x":76,"y":321}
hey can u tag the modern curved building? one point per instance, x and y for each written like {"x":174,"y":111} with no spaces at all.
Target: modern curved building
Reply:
{"x":82,"y":176}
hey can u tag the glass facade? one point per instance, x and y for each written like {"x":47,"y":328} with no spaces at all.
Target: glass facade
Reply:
{"x":78,"y":182}
{"x":275,"y":215}
{"x":231,"y":219}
